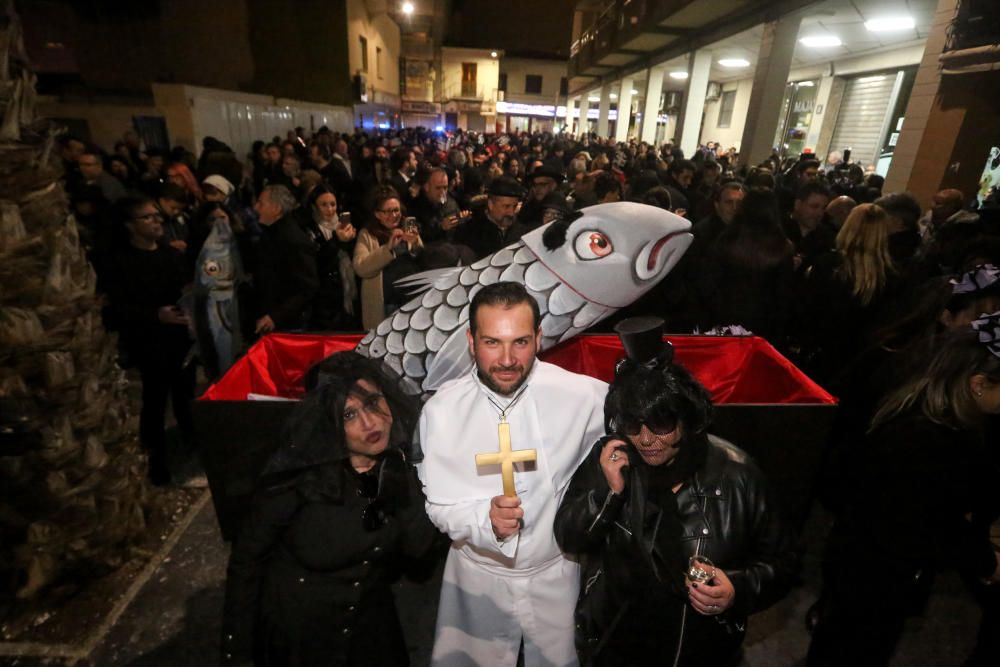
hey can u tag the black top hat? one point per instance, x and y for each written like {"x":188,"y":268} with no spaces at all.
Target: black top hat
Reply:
{"x":642,"y":338}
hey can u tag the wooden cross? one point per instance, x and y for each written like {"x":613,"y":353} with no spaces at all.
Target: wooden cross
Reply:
{"x":506,"y":457}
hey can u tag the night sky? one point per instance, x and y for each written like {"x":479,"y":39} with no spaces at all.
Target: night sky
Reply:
{"x":529,"y":26}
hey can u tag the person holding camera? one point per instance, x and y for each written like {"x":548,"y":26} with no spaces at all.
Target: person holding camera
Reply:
{"x":386,"y":252}
{"x":679,"y":536}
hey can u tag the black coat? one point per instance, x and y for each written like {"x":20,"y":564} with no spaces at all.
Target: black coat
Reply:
{"x":286,"y":278}
{"x":308,"y":585}
{"x":483,"y":237}
{"x":726,"y":512}
{"x":327,"y":312}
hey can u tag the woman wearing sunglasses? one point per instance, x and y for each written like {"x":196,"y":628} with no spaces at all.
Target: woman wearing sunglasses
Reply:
{"x":679,"y":537}
{"x":338,"y":510}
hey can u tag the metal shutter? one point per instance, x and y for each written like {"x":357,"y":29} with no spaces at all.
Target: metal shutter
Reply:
{"x":862,"y":116}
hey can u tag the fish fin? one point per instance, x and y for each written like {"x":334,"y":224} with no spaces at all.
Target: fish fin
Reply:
{"x":418,"y":283}
{"x":451,"y":361}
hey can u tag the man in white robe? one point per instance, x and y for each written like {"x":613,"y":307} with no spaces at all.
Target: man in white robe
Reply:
{"x":505,"y":580}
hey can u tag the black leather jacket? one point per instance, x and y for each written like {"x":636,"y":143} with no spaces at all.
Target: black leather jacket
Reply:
{"x":726,"y":512}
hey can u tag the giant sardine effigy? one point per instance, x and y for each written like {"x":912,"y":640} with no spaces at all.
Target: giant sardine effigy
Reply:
{"x":580,"y":270}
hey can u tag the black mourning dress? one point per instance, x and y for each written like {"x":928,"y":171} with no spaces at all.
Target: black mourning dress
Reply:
{"x":309,"y":581}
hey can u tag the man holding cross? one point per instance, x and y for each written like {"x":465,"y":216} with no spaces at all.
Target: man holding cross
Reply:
{"x":507,"y":587}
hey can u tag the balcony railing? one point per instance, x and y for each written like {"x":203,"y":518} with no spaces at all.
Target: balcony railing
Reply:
{"x":975,"y":25}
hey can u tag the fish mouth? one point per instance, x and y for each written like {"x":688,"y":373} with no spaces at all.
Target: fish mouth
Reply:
{"x":661,"y":255}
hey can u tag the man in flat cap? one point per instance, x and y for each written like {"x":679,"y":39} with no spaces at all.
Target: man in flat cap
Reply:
{"x":544,"y":182}
{"x":495,"y":226}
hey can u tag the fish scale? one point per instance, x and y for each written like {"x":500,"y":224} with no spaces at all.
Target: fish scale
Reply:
{"x":426,"y":343}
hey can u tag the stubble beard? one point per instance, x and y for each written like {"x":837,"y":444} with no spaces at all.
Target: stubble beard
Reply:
{"x":488,"y":380}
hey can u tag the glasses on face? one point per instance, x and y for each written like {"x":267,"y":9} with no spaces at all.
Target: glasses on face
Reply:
{"x":635,"y":427}
{"x":372,"y":403}
{"x":390,"y":211}
{"x":148,"y":217}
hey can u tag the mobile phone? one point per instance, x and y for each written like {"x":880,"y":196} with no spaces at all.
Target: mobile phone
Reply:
{"x":345,"y":218}
{"x":410,"y":225}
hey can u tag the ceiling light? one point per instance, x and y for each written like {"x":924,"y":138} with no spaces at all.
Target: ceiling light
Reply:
{"x":407,"y":8}
{"x":734,"y":62}
{"x":613,"y":96}
{"x":493,"y":54}
{"x":593,"y":99}
{"x":805,"y":84}
{"x":635,"y":92}
{"x":681,"y":75}
{"x":821,"y":41}
{"x":890,"y":23}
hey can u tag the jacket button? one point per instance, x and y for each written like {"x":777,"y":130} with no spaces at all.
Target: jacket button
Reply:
{"x":302,"y":580}
{"x":718,"y":492}
{"x":358,"y":583}
{"x":364,"y":562}
{"x":346,"y":631}
{"x":704,"y":531}
{"x":351,"y":608}
{"x":377,"y":549}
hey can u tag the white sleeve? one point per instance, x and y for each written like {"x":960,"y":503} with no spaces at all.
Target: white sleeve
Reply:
{"x":467,"y":520}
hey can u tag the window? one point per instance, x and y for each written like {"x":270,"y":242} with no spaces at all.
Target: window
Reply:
{"x":468,"y":79}
{"x":502,"y":84}
{"x":378,"y":61}
{"x":364,"y":53}
{"x":533,"y":83}
{"x":564,"y":86}
{"x":726,"y":104}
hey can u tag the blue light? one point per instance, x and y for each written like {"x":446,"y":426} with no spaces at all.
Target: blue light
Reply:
{"x":439,"y":128}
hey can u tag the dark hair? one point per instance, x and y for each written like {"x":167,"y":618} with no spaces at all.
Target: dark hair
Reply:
{"x":806,"y":164}
{"x":322,"y":149}
{"x":729,"y":185}
{"x":760,"y":178}
{"x":314,"y":433}
{"x":505,"y":294}
{"x":903,"y":206}
{"x":659,"y":393}
{"x":321,"y":189}
{"x":399,"y":157}
{"x":807,"y":190}
{"x":755,"y":240}
{"x":659,"y":197}
{"x":605,"y":183}
{"x":677,"y":166}
{"x":173,"y":192}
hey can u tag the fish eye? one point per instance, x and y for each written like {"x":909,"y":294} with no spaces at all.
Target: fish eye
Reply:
{"x":592,"y":245}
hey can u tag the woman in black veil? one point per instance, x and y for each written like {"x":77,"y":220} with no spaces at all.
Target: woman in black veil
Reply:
{"x":338,"y":510}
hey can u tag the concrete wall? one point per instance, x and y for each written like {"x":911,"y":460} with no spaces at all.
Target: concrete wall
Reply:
{"x":487,"y":72}
{"x":381,"y":32}
{"x":732,"y":135}
{"x":516,"y":69}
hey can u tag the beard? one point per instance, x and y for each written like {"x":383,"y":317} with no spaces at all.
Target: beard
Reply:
{"x":487,"y":378}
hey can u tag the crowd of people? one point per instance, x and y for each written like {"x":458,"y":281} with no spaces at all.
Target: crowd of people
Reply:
{"x":890,"y":306}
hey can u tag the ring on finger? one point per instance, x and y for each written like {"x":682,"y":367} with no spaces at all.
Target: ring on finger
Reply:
{"x":613,"y":457}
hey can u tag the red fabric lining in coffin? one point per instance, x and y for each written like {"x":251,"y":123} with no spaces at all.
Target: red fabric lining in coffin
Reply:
{"x":735,"y":370}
